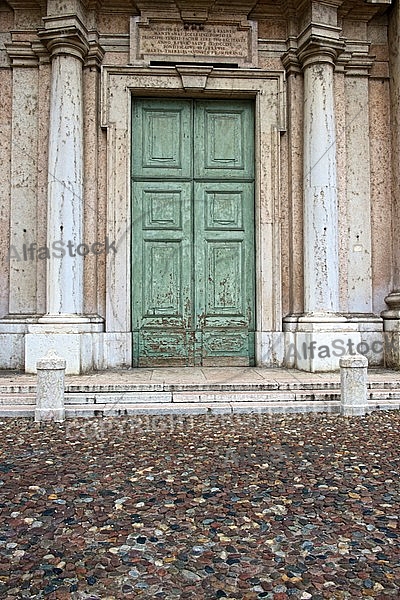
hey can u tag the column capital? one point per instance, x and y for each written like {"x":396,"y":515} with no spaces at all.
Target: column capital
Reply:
{"x":320,"y":43}
{"x":320,"y":50}
{"x":65,"y":36}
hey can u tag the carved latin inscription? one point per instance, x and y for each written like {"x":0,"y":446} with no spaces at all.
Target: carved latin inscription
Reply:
{"x":171,"y":40}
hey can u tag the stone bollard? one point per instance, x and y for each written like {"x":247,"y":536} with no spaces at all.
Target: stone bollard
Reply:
{"x":353,"y":385}
{"x":50,"y":388}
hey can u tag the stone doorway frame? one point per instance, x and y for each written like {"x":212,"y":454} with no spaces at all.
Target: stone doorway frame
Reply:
{"x":267,"y":88}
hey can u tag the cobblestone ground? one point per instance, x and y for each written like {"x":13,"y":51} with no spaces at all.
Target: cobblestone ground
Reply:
{"x":201,"y":507}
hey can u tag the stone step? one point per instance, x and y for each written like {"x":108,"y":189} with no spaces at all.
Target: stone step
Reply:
{"x":209,"y":396}
{"x":164,"y":387}
{"x":292,"y":386}
{"x":196,"y":390}
{"x":157,"y":409}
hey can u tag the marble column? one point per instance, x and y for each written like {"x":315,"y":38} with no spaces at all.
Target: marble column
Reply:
{"x":65,"y":326}
{"x":391,"y":317}
{"x":320,"y":331}
{"x":65,"y":188}
{"x":21,"y":109}
{"x":321,"y":274}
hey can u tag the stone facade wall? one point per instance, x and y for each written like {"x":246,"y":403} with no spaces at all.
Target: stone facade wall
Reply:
{"x":327,"y":161}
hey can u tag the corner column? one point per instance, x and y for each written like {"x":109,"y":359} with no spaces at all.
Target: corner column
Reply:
{"x":65,"y":325}
{"x":22,"y":112}
{"x":391,"y":317}
{"x":65,"y":188}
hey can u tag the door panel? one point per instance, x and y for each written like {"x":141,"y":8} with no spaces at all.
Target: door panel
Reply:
{"x":161,"y":267}
{"x":162,"y":140}
{"x":224,"y":282}
{"x":224,"y":138}
{"x":224,"y":266}
{"x":192,"y":233}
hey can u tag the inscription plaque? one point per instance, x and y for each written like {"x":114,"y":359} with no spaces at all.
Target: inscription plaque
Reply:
{"x":172,"y":40}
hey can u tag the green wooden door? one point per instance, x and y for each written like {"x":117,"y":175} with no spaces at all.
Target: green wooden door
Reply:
{"x":192,"y":232}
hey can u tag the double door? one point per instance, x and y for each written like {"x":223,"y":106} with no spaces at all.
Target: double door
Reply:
{"x":192,"y":232}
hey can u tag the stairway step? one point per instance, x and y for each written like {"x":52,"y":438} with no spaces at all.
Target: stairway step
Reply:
{"x":156,"y":409}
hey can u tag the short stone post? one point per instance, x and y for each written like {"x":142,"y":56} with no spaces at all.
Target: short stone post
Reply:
{"x":353,"y":385}
{"x":50,"y":388}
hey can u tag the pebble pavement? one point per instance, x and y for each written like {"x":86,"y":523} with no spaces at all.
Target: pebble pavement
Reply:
{"x":244,"y":506}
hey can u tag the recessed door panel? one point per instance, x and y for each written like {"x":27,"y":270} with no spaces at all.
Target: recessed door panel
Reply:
{"x":161,"y":262}
{"x":224,"y":137}
{"x":161,"y":141}
{"x":224,"y":272}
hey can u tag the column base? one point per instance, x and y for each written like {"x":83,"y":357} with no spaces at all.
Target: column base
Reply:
{"x":391,"y":327}
{"x":316,"y":342}
{"x":76,"y":338}
{"x":79,"y":339}
{"x":13,"y":329}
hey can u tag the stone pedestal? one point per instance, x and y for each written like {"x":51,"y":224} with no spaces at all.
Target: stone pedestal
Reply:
{"x":79,"y":340}
{"x":317,"y":341}
{"x":50,"y":388}
{"x":353,"y":382}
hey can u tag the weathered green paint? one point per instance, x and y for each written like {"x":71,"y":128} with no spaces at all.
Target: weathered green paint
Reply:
{"x":192,"y":232}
